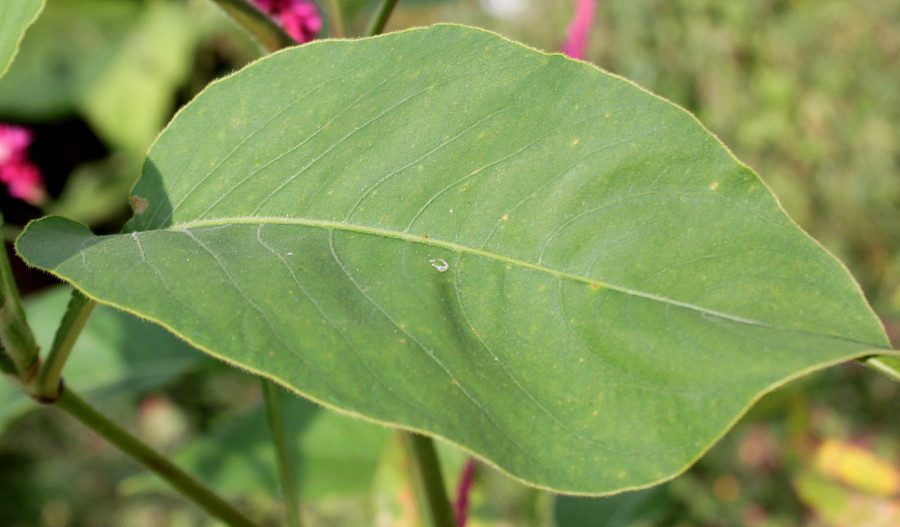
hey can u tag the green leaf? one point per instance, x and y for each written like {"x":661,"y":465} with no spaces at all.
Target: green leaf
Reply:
{"x":632,"y":509}
{"x":116,"y":353}
{"x":449,"y":232}
{"x":15,"y":17}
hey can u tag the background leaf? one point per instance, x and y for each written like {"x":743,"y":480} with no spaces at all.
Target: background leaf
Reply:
{"x":15,"y":17}
{"x":336,"y":454}
{"x":450,"y":232}
{"x":117,"y":63}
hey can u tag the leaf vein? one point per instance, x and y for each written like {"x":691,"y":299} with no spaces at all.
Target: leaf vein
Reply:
{"x":432,"y":241}
{"x":428,"y":352}
{"x":327,"y":319}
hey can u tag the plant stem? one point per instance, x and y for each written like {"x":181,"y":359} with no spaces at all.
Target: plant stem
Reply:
{"x":376,"y":25}
{"x":427,"y":479}
{"x":267,"y":32}
{"x":47,"y":383}
{"x":10,"y":233}
{"x":889,"y":366}
{"x":337,"y":18}
{"x":539,"y":511}
{"x":140,"y":452}
{"x":18,"y":350}
{"x":282,"y":452}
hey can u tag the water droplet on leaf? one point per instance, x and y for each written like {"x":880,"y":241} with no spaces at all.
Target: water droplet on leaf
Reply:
{"x":440,"y":264}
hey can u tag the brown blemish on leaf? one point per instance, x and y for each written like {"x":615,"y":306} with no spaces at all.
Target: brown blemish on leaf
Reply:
{"x":138,"y":204}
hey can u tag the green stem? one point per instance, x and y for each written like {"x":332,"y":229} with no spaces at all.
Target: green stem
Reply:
{"x":267,"y":32}
{"x":47,"y":383}
{"x":18,"y":350}
{"x":539,"y":505}
{"x":10,"y":233}
{"x":282,"y":452}
{"x":337,"y":18}
{"x":886,"y":365}
{"x":427,"y":479}
{"x":376,"y":25}
{"x":140,"y":452}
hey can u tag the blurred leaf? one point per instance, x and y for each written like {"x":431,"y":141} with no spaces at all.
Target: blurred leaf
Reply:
{"x":131,"y":99}
{"x":393,"y":492}
{"x":116,"y":353}
{"x":96,"y":191}
{"x":62,"y":55}
{"x":515,"y":251}
{"x":857,"y":467}
{"x":118,"y":63}
{"x":840,"y":506}
{"x":15,"y":17}
{"x":335,"y":454}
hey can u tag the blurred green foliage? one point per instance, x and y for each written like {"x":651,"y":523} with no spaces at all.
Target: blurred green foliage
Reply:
{"x":804,"y":91}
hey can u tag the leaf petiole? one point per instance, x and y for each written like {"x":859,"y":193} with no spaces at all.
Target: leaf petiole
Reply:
{"x":336,"y":13}
{"x":269,"y":34}
{"x":18,"y":349}
{"x":426,"y":475}
{"x":376,"y":25}
{"x":48,"y":383}
{"x":283,"y":456}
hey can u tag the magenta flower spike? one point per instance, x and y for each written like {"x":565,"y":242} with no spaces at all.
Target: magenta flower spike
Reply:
{"x":21,"y":177}
{"x":579,"y":29}
{"x":299,"y":18}
{"x":461,"y":505}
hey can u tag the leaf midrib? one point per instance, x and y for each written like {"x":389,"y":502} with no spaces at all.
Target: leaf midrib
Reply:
{"x":437,"y":242}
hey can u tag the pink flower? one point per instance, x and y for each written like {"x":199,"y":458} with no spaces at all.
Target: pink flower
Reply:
{"x":21,"y":176}
{"x":299,"y":18}
{"x":579,"y":29}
